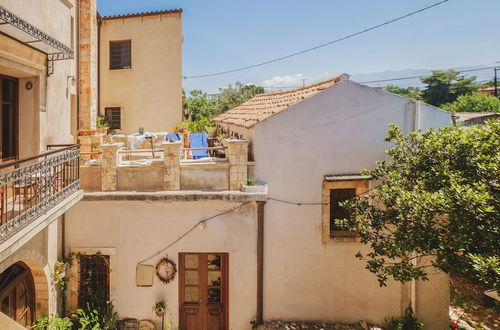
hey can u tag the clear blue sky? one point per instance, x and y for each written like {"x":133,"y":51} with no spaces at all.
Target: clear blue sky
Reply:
{"x":226,"y":34}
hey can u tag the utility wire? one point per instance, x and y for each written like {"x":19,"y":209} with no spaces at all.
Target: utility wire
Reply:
{"x":415,"y":77}
{"x":317,"y":203}
{"x":191,"y":229}
{"x":321,"y":45}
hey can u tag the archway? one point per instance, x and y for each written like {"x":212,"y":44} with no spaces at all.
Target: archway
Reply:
{"x":17,"y":294}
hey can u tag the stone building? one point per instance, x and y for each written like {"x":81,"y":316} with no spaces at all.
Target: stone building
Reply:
{"x":38,"y":184}
{"x":130,"y":69}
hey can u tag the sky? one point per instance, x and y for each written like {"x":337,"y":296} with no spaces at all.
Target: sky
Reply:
{"x":221,"y":35}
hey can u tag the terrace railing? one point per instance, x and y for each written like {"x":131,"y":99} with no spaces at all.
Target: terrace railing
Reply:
{"x":32,"y":186}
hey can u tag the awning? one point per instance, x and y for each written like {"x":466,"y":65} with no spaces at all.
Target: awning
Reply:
{"x":26,"y":33}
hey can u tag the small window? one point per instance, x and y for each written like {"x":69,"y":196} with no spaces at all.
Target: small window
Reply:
{"x":338,"y":196}
{"x":120,"y":56}
{"x":114,"y":117}
{"x":94,"y":279}
{"x":337,"y":189}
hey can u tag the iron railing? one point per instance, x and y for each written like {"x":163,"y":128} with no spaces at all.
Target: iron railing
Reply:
{"x":32,"y":186}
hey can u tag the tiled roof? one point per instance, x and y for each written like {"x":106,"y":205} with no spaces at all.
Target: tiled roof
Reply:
{"x":145,"y":13}
{"x":263,"y":106}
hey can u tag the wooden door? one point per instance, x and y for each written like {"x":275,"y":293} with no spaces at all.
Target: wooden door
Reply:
{"x":17,"y":294}
{"x":203,"y":291}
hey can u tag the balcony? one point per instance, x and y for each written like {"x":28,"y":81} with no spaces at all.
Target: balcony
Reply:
{"x":37,"y":187}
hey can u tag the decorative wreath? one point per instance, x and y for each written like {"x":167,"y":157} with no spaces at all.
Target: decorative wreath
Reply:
{"x":166,"y":270}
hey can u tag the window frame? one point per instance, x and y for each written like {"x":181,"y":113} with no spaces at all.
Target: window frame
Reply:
{"x":361,"y":184}
{"x":110,"y":119}
{"x":74,"y":282}
{"x":121,"y":66}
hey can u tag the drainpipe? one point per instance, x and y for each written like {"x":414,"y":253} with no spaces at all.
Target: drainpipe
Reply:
{"x":413,"y":283}
{"x":260,"y":262}
{"x":99,"y":23}
{"x":417,"y":114}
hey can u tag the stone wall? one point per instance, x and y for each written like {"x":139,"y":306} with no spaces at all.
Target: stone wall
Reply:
{"x":87,"y":87}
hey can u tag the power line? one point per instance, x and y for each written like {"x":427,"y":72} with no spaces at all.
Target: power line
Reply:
{"x":319,"y":46}
{"x":415,"y":77}
{"x":191,"y":229}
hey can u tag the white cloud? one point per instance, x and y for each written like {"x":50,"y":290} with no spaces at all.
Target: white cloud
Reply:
{"x":284,"y":81}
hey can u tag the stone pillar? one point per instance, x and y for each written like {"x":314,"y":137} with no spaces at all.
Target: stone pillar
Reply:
{"x":87,"y":50}
{"x":172,"y":165}
{"x":109,"y":175}
{"x":237,"y":155}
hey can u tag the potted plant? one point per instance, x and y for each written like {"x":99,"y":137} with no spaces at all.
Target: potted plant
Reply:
{"x":160,"y":308}
{"x":102,"y":124}
{"x":252,"y":187}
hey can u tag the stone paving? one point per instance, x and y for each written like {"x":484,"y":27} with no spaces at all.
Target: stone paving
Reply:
{"x":299,"y":325}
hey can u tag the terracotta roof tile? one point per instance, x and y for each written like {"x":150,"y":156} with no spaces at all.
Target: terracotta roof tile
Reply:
{"x":145,"y":13}
{"x":263,"y":106}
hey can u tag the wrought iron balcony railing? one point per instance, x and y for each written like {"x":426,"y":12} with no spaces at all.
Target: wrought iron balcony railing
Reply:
{"x":32,"y":186}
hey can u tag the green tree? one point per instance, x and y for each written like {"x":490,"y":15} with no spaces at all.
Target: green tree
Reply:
{"x":446,"y":86}
{"x":437,"y":197}
{"x":232,"y":96}
{"x":410,"y":92}
{"x":197,"y":106}
{"x":475,"y":102}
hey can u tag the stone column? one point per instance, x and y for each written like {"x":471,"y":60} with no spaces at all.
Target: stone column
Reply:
{"x":109,"y":175}
{"x":237,"y":155}
{"x":87,"y":82}
{"x":172,"y":165}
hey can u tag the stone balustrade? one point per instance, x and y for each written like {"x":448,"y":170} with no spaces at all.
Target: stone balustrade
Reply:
{"x":169,"y":173}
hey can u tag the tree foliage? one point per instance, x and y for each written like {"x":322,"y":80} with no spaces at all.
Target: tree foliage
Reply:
{"x":198,"y":106}
{"x":410,"y":92}
{"x":475,"y":102}
{"x":232,"y":96}
{"x":438,"y":197}
{"x":446,"y":86}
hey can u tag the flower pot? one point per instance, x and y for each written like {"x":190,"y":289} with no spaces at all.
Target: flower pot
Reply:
{"x":159,"y":313}
{"x":87,"y":132}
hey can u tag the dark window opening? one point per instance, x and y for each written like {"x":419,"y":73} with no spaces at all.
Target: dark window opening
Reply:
{"x":8,"y":118}
{"x":94,"y":279}
{"x":113,"y":115}
{"x":120,"y":56}
{"x":338,"y":212}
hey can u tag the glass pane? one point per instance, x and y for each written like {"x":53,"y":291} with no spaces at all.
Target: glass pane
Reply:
{"x":191,"y":277}
{"x":214,"y":277}
{"x":8,"y":131}
{"x":5,"y":305}
{"x":191,"y":293}
{"x":214,"y":295}
{"x":191,"y":261}
{"x":24,"y":319}
{"x":214,"y":261}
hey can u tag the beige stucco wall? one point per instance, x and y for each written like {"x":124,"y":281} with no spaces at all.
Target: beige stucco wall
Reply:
{"x":339,"y":131}
{"x":138,"y":229}
{"x":44,"y":111}
{"x":149,"y":93}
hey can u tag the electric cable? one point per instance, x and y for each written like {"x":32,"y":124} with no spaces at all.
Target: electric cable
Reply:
{"x":318,"y":46}
{"x":190,"y":230}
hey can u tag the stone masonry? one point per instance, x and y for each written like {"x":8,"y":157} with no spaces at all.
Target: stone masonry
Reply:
{"x":109,"y":172}
{"x":172,"y":165}
{"x":87,"y":87}
{"x":237,"y":155}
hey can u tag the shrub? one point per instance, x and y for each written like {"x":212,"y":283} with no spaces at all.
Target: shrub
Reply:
{"x":52,"y":322}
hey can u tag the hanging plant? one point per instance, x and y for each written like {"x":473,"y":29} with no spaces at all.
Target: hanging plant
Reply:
{"x":166,"y":270}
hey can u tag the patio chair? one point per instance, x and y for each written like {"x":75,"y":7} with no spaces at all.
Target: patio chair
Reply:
{"x":198,"y":140}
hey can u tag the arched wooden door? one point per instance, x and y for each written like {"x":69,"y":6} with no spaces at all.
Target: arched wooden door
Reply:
{"x":17,"y":294}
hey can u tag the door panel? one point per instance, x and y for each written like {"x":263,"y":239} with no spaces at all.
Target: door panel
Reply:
{"x":203,"y":291}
